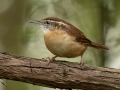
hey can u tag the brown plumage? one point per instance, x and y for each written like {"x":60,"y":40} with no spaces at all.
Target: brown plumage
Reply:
{"x":79,"y":35}
{"x":65,"y":40}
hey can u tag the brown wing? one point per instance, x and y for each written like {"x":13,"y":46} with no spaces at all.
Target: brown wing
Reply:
{"x":80,"y":37}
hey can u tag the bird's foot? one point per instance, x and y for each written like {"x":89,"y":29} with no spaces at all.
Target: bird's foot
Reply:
{"x":51,"y":59}
{"x":82,"y":64}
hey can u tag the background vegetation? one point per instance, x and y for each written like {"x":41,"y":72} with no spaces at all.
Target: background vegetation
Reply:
{"x":98,"y":19}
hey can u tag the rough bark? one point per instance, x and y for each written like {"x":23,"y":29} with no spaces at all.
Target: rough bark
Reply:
{"x":58,"y":74}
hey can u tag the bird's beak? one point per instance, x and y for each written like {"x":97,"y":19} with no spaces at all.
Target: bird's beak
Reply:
{"x":36,"y":22}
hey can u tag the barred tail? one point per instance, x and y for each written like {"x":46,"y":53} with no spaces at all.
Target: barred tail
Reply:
{"x":98,"y":46}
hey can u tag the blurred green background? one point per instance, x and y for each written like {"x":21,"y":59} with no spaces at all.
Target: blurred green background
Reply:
{"x":98,"y":19}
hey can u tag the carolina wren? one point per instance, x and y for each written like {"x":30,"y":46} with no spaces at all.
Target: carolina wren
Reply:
{"x":65,"y":40}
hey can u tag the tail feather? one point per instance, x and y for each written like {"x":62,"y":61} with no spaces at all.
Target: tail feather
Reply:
{"x":98,"y":46}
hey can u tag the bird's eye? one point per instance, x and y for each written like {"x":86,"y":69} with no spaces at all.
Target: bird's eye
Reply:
{"x":47,"y":22}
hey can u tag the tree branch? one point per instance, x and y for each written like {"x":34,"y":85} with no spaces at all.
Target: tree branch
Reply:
{"x":58,"y":74}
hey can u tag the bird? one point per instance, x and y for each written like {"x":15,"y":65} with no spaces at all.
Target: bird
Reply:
{"x":65,"y":40}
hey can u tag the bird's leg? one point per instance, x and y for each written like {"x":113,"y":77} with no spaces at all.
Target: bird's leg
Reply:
{"x":51,"y":59}
{"x":82,"y":63}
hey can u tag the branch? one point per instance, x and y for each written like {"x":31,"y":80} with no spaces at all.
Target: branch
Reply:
{"x":58,"y":74}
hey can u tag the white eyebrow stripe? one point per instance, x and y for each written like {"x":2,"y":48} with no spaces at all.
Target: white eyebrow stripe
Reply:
{"x":60,"y":23}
